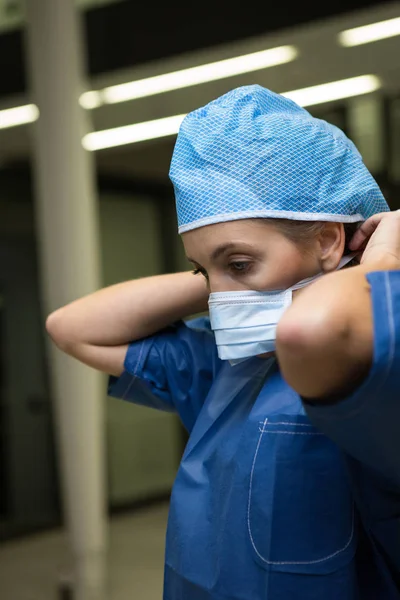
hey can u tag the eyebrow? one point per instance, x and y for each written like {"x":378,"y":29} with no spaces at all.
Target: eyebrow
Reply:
{"x":220,"y":250}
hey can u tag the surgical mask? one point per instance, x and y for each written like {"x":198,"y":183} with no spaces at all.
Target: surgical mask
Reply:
{"x":244,"y":323}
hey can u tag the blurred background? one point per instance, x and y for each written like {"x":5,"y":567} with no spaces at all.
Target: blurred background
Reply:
{"x":92,"y":93}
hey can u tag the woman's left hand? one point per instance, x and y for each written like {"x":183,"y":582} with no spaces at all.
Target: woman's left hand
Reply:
{"x":380,"y":236}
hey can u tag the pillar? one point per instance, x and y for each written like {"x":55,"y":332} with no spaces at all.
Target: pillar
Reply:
{"x":67,"y":231}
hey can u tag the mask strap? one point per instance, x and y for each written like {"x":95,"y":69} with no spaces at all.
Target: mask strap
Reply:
{"x":343,"y":262}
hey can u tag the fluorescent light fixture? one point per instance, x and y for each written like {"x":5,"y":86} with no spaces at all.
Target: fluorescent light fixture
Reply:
{"x":370,"y":33}
{"x":19,"y":115}
{"x":158,"y":128}
{"x":336,"y":90}
{"x":130,"y":134}
{"x":195,"y":75}
{"x":91,"y":100}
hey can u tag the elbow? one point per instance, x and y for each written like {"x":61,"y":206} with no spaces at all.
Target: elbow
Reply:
{"x":298,"y":333}
{"x":292,"y":335}
{"x":294,"y":343}
{"x":59,"y":331}
{"x":306,"y":346}
{"x":52,"y":325}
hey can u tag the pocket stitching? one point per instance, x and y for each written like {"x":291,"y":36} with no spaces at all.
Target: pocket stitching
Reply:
{"x":270,"y":562}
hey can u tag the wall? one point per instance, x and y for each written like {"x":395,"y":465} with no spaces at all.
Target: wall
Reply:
{"x":143,"y":444}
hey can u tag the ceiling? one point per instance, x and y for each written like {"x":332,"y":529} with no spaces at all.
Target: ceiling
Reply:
{"x":125,"y":43}
{"x":12,"y":12}
{"x":125,"y":33}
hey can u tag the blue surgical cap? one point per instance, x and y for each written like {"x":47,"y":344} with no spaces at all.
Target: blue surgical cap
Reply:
{"x":253,"y":153}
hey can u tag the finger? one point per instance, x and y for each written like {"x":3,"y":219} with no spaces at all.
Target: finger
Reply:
{"x":365,"y":231}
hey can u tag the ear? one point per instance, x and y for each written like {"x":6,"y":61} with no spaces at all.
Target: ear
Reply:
{"x":331,"y":242}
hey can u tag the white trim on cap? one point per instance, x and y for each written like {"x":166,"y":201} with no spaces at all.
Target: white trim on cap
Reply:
{"x":270,"y":214}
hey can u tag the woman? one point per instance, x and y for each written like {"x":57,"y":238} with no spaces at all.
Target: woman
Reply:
{"x":289,"y":488}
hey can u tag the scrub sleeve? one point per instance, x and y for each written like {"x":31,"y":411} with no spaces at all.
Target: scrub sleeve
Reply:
{"x":171,"y":371}
{"x":366,"y":425}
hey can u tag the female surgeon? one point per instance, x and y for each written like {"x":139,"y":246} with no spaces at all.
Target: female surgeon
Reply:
{"x":289,"y":487}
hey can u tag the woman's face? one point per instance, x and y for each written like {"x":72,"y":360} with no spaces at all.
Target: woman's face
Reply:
{"x":249,"y":254}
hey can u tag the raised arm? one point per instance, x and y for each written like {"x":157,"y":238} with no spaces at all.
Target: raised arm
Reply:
{"x":325,"y":340}
{"x":98,"y":328}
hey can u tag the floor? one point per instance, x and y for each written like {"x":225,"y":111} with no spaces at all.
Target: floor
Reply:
{"x":30,"y":568}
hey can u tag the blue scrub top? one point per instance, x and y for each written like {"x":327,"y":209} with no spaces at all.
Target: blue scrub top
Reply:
{"x":274,"y":499}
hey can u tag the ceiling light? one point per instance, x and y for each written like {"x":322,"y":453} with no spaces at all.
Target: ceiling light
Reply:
{"x":91,"y":99}
{"x":148,"y":130}
{"x":336,"y":90}
{"x":132,"y":133}
{"x":370,"y":33}
{"x":19,"y":115}
{"x":196,"y":75}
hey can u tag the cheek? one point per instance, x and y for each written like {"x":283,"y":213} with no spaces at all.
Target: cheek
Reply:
{"x":220,"y":281}
{"x":285,"y":268}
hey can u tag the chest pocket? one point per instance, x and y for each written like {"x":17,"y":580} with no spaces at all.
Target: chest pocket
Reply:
{"x":300,"y":515}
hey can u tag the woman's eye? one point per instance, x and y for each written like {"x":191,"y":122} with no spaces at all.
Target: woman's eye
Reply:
{"x":239,"y":267}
